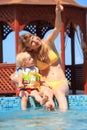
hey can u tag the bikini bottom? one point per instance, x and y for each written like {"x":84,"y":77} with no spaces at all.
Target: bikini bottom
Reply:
{"x":55,"y":84}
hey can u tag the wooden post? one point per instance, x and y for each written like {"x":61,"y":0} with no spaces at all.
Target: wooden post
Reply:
{"x":85,"y":61}
{"x":63,"y":47}
{"x":1,"y":36}
{"x":85,"y":69}
{"x":17,"y":29}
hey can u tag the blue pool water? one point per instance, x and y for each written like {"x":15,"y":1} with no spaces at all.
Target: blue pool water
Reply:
{"x":37,"y":118}
{"x":40,"y":119}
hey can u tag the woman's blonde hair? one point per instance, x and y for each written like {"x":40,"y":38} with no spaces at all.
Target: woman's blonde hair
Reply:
{"x":42,"y":56}
{"x":23,"y":39}
{"x":42,"y":50}
{"x":21,"y":58}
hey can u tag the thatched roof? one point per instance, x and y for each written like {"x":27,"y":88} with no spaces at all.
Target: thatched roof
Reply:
{"x":40,"y":2}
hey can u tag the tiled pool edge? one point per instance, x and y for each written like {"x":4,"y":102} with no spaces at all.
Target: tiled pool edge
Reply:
{"x":74,"y":102}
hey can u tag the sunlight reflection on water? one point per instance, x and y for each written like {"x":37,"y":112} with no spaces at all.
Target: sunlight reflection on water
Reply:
{"x":40,"y":119}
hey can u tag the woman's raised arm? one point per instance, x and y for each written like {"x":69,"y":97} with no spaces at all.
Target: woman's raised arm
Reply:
{"x":51,"y":37}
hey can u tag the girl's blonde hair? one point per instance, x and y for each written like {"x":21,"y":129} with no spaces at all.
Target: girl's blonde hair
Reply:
{"x":42,"y":50}
{"x":21,"y":58}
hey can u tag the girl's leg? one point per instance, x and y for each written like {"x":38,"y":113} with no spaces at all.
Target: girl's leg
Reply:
{"x":24,"y":99}
{"x":38,"y":98}
{"x":60,"y":93}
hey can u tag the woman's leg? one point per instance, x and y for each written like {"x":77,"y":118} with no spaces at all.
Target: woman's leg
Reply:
{"x":38,"y":98}
{"x":60,"y":93}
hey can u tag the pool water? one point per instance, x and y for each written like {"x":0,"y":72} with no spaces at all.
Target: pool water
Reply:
{"x":40,"y":119}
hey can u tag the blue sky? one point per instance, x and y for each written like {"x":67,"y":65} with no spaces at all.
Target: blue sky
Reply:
{"x":9,"y":46}
{"x":82,"y":2}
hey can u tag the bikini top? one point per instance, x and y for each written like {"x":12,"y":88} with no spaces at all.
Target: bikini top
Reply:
{"x":53,"y":58}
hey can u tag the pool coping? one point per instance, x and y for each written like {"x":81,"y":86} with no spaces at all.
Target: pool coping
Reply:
{"x":74,"y":102}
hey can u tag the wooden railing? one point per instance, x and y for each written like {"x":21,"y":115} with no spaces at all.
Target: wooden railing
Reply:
{"x":73,"y":73}
{"x":7,"y":87}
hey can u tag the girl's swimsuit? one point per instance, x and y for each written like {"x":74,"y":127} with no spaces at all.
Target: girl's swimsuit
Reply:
{"x":31,"y":77}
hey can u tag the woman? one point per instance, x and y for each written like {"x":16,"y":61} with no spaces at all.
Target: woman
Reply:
{"x":48,"y":61}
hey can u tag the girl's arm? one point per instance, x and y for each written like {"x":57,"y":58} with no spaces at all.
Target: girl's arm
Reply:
{"x":20,"y":79}
{"x":14,"y":78}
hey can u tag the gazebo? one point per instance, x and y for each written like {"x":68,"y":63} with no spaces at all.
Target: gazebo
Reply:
{"x":37,"y":17}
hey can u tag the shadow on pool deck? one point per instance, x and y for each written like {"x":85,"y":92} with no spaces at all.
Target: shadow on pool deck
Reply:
{"x":78,"y":92}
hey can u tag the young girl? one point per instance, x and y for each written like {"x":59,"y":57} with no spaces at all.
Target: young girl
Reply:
{"x":29,"y":80}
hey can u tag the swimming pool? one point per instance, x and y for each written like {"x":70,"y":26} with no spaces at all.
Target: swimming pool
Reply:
{"x":37,"y":118}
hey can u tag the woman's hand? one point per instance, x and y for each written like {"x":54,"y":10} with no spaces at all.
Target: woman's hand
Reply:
{"x":52,"y":36}
{"x":20,"y":86}
{"x":59,"y":8}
